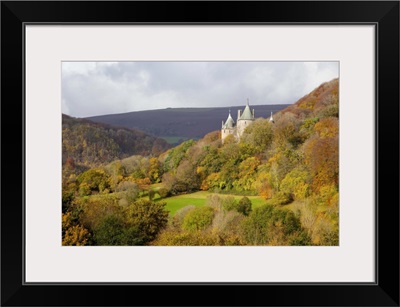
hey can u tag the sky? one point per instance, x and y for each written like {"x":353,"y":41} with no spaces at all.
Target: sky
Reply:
{"x":99,"y":88}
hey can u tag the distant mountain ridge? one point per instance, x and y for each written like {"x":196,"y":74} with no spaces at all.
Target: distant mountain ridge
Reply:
{"x":185,"y":123}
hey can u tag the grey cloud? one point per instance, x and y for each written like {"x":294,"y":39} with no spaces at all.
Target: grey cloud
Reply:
{"x":106,"y":88}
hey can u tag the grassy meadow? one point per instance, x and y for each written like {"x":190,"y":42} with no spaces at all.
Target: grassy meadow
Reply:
{"x":175,"y":203}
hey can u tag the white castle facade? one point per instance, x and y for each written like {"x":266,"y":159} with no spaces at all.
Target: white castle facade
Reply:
{"x":244,"y":119}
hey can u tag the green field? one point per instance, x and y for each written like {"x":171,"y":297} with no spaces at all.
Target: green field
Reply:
{"x":175,"y":203}
{"x":199,"y":199}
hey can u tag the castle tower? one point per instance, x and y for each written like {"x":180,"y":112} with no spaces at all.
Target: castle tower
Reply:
{"x":228,"y":128}
{"x":244,"y":119}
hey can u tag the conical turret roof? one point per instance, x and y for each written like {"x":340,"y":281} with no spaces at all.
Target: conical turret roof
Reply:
{"x":247,"y":115}
{"x":230,"y":123}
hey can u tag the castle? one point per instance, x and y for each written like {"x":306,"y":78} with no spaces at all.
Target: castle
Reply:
{"x":244,"y":119}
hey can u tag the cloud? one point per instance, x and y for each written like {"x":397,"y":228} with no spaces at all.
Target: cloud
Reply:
{"x":96,"y":88}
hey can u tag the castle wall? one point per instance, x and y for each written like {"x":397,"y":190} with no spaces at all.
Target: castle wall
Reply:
{"x":241,"y":125}
{"x":226,"y":132}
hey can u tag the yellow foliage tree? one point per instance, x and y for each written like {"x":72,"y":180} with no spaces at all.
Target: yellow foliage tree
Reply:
{"x":76,"y":236}
{"x":154,"y":170}
{"x":73,"y":234}
{"x":327,"y":127}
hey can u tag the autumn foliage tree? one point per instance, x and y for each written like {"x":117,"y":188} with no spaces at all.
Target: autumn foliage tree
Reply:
{"x":322,"y":157}
{"x":93,"y":181}
{"x":155,"y":170}
{"x":148,"y":217}
{"x":73,"y":234}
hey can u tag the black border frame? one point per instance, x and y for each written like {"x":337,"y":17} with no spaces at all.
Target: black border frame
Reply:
{"x":383,"y":14}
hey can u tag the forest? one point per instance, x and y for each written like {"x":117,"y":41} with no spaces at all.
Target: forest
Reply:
{"x":90,"y":144}
{"x":278,"y":185}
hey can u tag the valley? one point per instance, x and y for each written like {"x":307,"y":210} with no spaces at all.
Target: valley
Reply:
{"x":270,"y":182}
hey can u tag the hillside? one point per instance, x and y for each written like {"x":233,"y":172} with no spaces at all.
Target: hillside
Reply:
{"x":180,"y":123}
{"x":305,"y":133}
{"x":322,"y":102}
{"x":277,"y":185}
{"x":92,"y":144}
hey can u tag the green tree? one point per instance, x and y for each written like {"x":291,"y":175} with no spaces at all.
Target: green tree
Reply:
{"x":176,"y":155}
{"x":267,"y":225}
{"x":212,"y":161}
{"x":259,"y":135}
{"x":198,"y":219}
{"x":231,"y":204}
{"x":112,"y":230}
